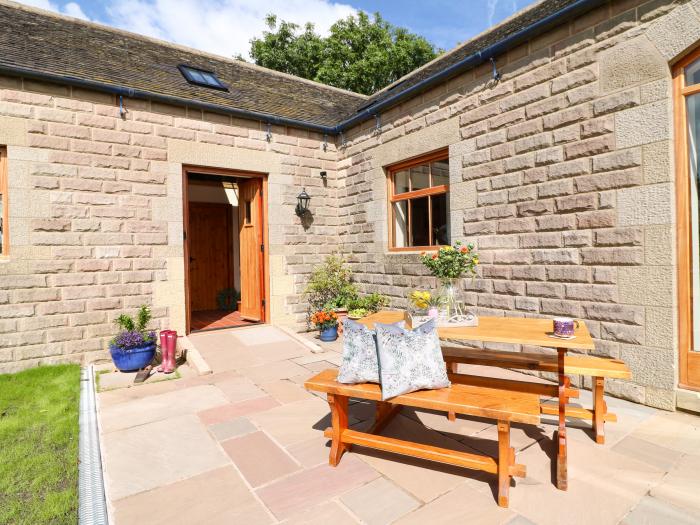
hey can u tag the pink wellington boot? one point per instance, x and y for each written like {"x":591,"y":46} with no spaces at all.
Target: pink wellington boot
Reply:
{"x":163,"y":348}
{"x":171,"y":344}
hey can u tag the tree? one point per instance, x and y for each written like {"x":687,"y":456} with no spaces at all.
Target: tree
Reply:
{"x":361,"y":54}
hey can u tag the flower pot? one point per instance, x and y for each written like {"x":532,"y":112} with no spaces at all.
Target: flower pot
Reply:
{"x":329,"y":334}
{"x":134,"y":358}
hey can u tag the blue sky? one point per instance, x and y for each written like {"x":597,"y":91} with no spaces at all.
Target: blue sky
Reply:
{"x":226,"y":26}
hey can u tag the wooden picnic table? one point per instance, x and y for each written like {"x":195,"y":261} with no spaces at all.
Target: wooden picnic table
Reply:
{"x":522,"y":331}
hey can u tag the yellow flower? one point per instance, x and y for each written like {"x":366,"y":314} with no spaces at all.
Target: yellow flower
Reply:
{"x":448,"y":249}
{"x":420,"y":298}
{"x":476,"y":260}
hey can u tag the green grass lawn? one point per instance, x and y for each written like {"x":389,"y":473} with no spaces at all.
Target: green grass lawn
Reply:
{"x":39,"y":445}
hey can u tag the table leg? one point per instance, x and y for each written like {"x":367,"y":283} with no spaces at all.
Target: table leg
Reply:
{"x":599,"y":409}
{"x":339,"y":418}
{"x":562,"y":483}
{"x":504,"y":461}
{"x":452,"y":367}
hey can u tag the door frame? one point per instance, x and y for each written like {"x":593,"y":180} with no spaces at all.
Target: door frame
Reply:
{"x":688,"y":361}
{"x":265,"y":270}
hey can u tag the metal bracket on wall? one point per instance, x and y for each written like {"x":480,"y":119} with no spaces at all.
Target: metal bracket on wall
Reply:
{"x":343,"y":141}
{"x":377,"y":123}
{"x":325,"y":142}
{"x":495,"y":73}
{"x":122,"y":109}
{"x":268,"y":132}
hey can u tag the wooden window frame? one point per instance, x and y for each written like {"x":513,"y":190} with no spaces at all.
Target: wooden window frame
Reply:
{"x":391,"y":171}
{"x":5,"y":251}
{"x":688,"y":361}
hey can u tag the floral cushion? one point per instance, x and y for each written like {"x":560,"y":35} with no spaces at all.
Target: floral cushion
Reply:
{"x":410,"y":360}
{"x":360,"y":363}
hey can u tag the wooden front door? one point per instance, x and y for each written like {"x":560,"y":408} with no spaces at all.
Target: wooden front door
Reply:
{"x":210,"y":252}
{"x":250,"y":225}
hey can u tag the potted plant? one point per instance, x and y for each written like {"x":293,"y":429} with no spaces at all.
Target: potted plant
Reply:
{"x":330,"y":285}
{"x":369,"y":304}
{"x":326,"y":321}
{"x":134,"y":347}
{"x":427,"y":302}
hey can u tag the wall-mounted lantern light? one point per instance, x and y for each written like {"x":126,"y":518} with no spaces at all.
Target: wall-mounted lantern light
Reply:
{"x":324,"y":175}
{"x":302,"y":203}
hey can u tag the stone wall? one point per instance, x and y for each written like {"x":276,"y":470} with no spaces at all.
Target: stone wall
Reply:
{"x":561,"y":173}
{"x":96,"y":226}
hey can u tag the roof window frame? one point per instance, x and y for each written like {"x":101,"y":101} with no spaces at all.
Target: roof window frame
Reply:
{"x":187,"y":71}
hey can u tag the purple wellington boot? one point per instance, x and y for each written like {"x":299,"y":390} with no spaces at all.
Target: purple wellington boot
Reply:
{"x":163,"y":349}
{"x":171,"y":343}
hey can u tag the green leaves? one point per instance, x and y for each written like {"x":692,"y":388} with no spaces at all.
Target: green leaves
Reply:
{"x":451,"y":262}
{"x":360,"y":54}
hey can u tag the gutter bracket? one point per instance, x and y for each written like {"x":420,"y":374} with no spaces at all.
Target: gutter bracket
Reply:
{"x":377,"y":123}
{"x":343,"y":140}
{"x":268,"y":132}
{"x":325,"y":142}
{"x":495,"y":73}
{"x":122,"y":109}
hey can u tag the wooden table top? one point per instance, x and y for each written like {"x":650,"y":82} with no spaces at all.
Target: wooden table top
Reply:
{"x":516,"y":330}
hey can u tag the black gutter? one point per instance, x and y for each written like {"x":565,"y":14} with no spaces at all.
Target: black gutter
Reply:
{"x":468,"y":62}
{"x":167,"y":99}
{"x":472,"y":60}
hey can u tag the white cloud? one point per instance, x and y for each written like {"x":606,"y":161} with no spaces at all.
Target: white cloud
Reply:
{"x":70,"y":9}
{"x":224,"y":27}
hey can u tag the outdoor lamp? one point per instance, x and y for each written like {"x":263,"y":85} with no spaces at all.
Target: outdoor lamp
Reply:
{"x":302,"y":203}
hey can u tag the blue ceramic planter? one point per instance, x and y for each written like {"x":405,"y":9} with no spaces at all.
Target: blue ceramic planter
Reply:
{"x":329,"y":334}
{"x":134,"y":359}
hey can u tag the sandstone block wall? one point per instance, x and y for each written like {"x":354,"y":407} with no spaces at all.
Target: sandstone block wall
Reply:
{"x":96,"y":224}
{"x":561,"y":173}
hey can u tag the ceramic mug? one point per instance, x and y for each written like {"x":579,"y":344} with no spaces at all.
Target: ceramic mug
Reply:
{"x":564,"y":326}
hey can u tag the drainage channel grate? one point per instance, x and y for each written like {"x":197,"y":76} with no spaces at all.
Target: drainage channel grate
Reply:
{"x":92,"y":508}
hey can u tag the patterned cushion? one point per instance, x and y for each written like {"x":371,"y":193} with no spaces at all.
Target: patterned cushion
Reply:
{"x":359,"y":353}
{"x":410,"y":360}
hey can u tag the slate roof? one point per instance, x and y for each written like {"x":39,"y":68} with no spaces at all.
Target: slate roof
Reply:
{"x":48,"y":43}
{"x":506,"y":28}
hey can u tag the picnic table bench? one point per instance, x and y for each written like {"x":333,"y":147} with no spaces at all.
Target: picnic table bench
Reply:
{"x":530,"y":332}
{"x":505,"y":407}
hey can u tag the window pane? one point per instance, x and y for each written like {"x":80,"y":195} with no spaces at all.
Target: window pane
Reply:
{"x":440,"y":219}
{"x":401,"y":224}
{"x":419,"y":222}
{"x":693,"y":151}
{"x":401,"y":182}
{"x":420,"y":178}
{"x":692,"y":73}
{"x":196,"y":76}
{"x":248,"y":214}
{"x":441,"y":172}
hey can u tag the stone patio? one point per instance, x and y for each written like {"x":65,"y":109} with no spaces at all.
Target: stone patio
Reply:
{"x":245,"y":445}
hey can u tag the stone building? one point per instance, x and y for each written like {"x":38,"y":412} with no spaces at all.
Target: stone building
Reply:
{"x":562,"y":142}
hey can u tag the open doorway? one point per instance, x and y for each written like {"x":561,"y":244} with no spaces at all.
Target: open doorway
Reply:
{"x":224,"y":249}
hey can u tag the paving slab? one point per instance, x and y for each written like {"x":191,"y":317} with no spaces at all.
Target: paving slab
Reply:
{"x":154,"y":454}
{"x":681,"y":486}
{"x":313,"y":486}
{"x":329,"y":513}
{"x":425,"y":480}
{"x":216,"y":497}
{"x":286,"y":391}
{"x":312,"y":452}
{"x":643,"y":450}
{"x":294,"y":422}
{"x":461,"y":505}
{"x":379,"y":502}
{"x":261,"y":335}
{"x":239,"y":389}
{"x":233,"y":428}
{"x":259,"y":459}
{"x":652,"y":511}
{"x":674,"y":430}
{"x":274,"y":371}
{"x":230,"y":411}
{"x":158,"y":407}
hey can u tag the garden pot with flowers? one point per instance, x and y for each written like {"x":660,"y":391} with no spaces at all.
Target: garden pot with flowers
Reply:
{"x":326,"y":321}
{"x":449,"y":264}
{"x":134,"y":347}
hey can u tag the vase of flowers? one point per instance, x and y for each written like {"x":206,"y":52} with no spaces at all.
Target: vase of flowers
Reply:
{"x":426,"y":302}
{"x":134,"y":347}
{"x":326,"y":321}
{"x":449,"y":264}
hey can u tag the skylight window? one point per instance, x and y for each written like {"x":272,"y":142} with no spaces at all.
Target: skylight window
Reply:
{"x":200,"y":77}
